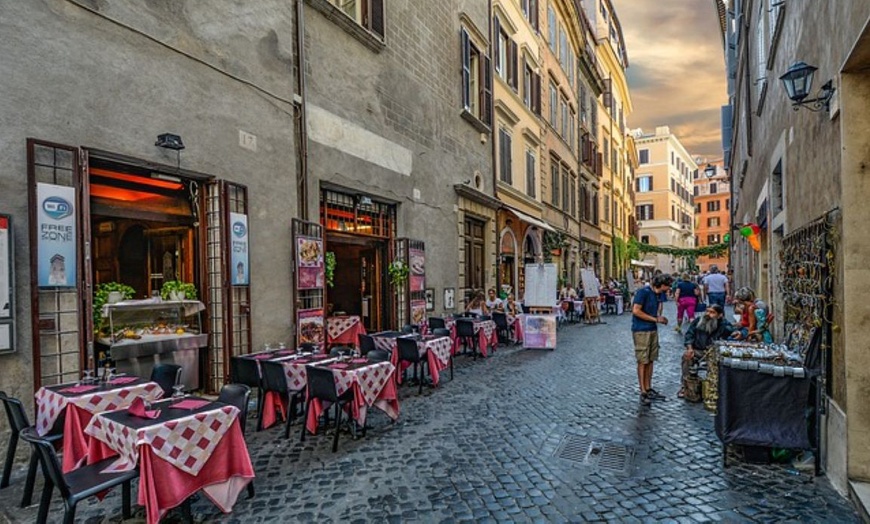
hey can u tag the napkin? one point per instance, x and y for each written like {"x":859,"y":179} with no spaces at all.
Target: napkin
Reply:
{"x":123,"y":380}
{"x":137,"y":409}
{"x":359,"y":360}
{"x":301,"y":361}
{"x":338,"y":365}
{"x":263,"y":356}
{"x":78,"y":389}
{"x":286,"y":352}
{"x":320,"y":357}
{"x":191,"y":403}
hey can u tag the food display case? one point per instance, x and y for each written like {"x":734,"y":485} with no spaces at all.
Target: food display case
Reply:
{"x":138,"y":334}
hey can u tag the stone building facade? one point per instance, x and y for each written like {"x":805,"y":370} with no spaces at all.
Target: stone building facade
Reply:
{"x":712,"y":198}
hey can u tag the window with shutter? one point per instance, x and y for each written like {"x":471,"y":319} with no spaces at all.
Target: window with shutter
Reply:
{"x":531,"y":179}
{"x":476,"y":83}
{"x":513,"y":58}
{"x":554,"y":180}
{"x":376,"y":17}
{"x":551,"y":28}
{"x":504,"y":144}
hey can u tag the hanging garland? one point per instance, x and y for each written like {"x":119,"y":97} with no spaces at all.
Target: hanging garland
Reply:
{"x":715,"y":250}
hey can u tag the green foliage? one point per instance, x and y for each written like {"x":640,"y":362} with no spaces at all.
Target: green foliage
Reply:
{"x":330,"y":268}
{"x":101,"y":298}
{"x":175,"y":286}
{"x":399,"y":272}
{"x":715,"y":250}
{"x":551,"y":242}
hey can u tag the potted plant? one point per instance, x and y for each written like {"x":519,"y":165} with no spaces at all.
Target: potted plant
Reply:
{"x":177,"y":290}
{"x":109,"y":293}
{"x":329,"y":268}
{"x":399,"y":272}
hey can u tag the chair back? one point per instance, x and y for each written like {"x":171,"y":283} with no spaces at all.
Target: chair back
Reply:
{"x":15,"y":413}
{"x":441,"y":332}
{"x":366,"y":344}
{"x":484,"y":317}
{"x":274,"y":378}
{"x":321,"y":384}
{"x":244,"y":371}
{"x":500,"y":320}
{"x":464,"y":328}
{"x":609,"y":300}
{"x":378,"y":355}
{"x":341,"y":351}
{"x":436,"y":323}
{"x":309,"y":347}
{"x":458,"y":315}
{"x":408,"y":349}
{"x":48,"y":458}
{"x":407,"y":328}
{"x":236,"y":395}
{"x":166,"y":376}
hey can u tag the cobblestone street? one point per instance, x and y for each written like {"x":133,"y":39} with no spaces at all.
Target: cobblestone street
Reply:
{"x":483,"y":448}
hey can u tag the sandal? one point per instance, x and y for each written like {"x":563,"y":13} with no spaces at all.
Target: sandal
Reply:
{"x":681,"y":393}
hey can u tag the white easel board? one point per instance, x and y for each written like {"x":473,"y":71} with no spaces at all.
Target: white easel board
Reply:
{"x":590,"y":283}
{"x":629,"y":277}
{"x":541,"y":286}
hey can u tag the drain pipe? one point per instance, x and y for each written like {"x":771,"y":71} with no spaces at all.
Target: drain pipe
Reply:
{"x":300,"y":116}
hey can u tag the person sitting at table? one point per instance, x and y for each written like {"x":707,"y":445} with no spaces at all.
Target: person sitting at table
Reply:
{"x":744,"y":303}
{"x":493,"y":303}
{"x":762,"y":330}
{"x":568,"y":292}
{"x":477,"y":305}
{"x":700,"y":334}
{"x":511,"y":307}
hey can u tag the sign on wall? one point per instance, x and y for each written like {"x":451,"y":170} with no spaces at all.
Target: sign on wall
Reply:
{"x":309,"y":262}
{"x":56,"y":223}
{"x":417,"y":263}
{"x":6,"y":286}
{"x":239,"y":241}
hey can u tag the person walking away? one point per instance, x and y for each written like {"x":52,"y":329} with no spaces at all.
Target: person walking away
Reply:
{"x":709,"y":326}
{"x":686,"y":296}
{"x":716,"y":287}
{"x":644,"y":330}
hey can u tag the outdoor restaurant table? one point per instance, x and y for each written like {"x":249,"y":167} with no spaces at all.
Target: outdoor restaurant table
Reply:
{"x":79,"y":403}
{"x":297,"y":379}
{"x":372,"y":384}
{"x":344,"y":330}
{"x":192,"y":445}
{"x":517,"y":322}
{"x":436,"y":349}
{"x":484,"y":329}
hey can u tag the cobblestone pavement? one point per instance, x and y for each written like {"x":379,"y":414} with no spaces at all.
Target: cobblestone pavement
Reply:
{"x":483,"y":448}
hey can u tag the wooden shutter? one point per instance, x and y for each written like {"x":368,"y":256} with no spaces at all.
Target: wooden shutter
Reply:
{"x":486,"y":91}
{"x":496,"y":42}
{"x":536,"y":93}
{"x":513,"y":58}
{"x":533,"y":13}
{"x":465,"y":49}
{"x":376,"y":17}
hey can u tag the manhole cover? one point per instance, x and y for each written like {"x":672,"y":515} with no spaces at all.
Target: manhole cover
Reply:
{"x":596,"y":453}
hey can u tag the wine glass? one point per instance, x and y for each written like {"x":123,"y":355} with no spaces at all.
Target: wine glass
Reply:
{"x":89,"y":376}
{"x":178,"y":391}
{"x":111,"y":375}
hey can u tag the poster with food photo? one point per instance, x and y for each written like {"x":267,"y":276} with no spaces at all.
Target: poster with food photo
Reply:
{"x":418,"y":312}
{"x":417,"y":263}
{"x":309,"y":326}
{"x":309,"y":262}
{"x":539,"y":331}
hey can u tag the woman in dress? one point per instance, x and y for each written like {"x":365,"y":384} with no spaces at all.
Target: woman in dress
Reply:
{"x":477,"y":305}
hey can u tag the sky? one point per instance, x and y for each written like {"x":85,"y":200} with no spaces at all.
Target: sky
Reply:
{"x":676,"y":72}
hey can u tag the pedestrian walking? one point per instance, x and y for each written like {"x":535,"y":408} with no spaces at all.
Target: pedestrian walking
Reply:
{"x":711,"y":325}
{"x":644,"y":330}
{"x":716,"y":287}
{"x":686,"y":296}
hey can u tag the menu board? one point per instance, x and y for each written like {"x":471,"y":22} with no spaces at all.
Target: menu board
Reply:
{"x":418,"y":312}
{"x":417,"y":263}
{"x":541,"y":286}
{"x":590,"y":283}
{"x":309,"y":262}
{"x":309,"y":327}
{"x":6,"y":292}
{"x":539,"y":331}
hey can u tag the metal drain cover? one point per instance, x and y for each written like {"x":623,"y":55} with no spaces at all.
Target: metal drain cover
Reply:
{"x":596,"y":453}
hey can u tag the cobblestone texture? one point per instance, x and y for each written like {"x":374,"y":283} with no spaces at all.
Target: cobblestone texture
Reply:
{"x":482,"y":449}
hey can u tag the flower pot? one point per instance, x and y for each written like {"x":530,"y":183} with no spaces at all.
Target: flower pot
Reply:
{"x":556,"y":252}
{"x":176,"y":295}
{"x":115,"y":297}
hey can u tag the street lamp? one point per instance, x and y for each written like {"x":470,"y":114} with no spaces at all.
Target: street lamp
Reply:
{"x":710,"y":171}
{"x":798,"y":83}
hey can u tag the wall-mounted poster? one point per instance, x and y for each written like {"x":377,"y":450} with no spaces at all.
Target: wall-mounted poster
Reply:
{"x":449,"y":295}
{"x":539,"y":331}
{"x":309,"y":327}
{"x":309,"y":262}
{"x":239,"y":242}
{"x":430,"y":299}
{"x":417,"y":263}
{"x":418,"y":312}
{"x":56,"y":224}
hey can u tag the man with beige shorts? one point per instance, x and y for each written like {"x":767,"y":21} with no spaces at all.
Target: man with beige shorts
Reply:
{"x":644,"y":329}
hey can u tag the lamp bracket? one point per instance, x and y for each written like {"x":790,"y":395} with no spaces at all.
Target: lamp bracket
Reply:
{"x":821,"y":101}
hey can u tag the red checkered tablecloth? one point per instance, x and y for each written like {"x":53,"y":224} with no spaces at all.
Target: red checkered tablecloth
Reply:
{"x":484,"y":329}
{"x":437,"y":351}
{"x":344,"y":330}
{"x":297,"y":378}
{"x":373,"y":385}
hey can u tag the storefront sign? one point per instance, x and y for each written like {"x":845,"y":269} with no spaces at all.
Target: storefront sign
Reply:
{"x":309,"y":262}
{"x":417,"y":263}
{"x":539,"y":331}
{"x":309,"y":327}
{"x":418,"y":312}
{"x":6,"y":291}
{"x":56,"y":224}
{"x":239,"y":242}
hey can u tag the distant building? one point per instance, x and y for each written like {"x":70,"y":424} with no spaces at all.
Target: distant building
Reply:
{"x":712,"y":197}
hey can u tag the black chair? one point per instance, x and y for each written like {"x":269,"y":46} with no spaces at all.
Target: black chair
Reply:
{"x":458,"y":315}
{"x":437,"y":323}
{"x":309,"y":347}
{"x":341,"y":351}
{"x":484,"y":317}
{"x":503,"y":329}
{"x":18,"y":422}
{"x":366,"y":344}
{"x":238,"y":395}
{"x":244,"y":370}
{"x":166,"y":375}
{"x":321,"y":386}
{"x":610,"y":304}
{"x":275,"y":380}
{"x":410,"y":352}
{"x":378,"y":355}
{"x":84,"y":482}
{"x":407,"y":328}
{"x":465,"y":333}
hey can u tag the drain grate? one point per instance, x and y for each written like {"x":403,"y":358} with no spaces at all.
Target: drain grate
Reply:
{"x":596,"y":453}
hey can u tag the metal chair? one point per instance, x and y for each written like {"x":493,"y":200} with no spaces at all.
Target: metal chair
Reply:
{"x":465,"y":332}
{"x":366,"y":344}
{"x":410,"y":352}
{"x":244,"y":370}
{"x":238,"y":395}
{"x":275,"y":380}
{"x":503,"y":329}
{"x":610,"y":304}
{"x":436,"y":323}
{"x":84,"y":482}
{"x":321,"y":386}
{"x":166,"y":376}
{"x":18,"y":422}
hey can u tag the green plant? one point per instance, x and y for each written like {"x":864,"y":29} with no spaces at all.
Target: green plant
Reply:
{"x":101,"y":298}
{"x":330,"y":268}
{"x":399,"y":272}
{"x":175,"y":286}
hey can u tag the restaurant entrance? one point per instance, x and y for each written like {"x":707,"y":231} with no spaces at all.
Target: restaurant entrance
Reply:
{"x":359,"y":233}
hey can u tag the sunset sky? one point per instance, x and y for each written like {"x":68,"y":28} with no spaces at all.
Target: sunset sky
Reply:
{"x":676,"y":71}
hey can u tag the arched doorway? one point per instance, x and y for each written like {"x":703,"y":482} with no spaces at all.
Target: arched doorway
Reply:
{"x":531,"y":254}
{"x":508,"y":263}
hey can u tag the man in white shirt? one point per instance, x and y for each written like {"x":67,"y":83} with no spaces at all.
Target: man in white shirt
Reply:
{"x":716,"y":287}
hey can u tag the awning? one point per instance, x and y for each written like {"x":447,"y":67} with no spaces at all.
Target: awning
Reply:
{"x":642,"y":263}
{"x":531,"y":220}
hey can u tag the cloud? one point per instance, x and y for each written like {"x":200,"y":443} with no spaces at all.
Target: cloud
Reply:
{"x":676,"y":71}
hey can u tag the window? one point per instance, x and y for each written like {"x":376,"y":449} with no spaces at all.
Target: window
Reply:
{"x":714,"y":205}
{"x":563,"y":110}
{"x":554,"y":106}
{"x":697,"y":191}
{"x":673,"y":186}
{"x":645,"y":212}
{"x":727,"y":203}
{"x":551,"y":27}
{"x":644,"y":184}
{"x":584,"y":115}
{"x":673,"y":213}
{"x":531,"y":88}
{"x":475,"y":268}
{"x":713,"y":222}
{"x":563,"y":48}
{"x":566,"y":194}
{"x":672,"y":159}
{"x":530,"y":11}
{"x":606,"y":155}
{"x":476,"y":81}
{"x":644,"y":239}
{"x":713,"y":188}
{"x":505,"y":54}
{"x":554,"y":180}
{"x":594,"y":199}
{"x":504,"y":155}
{"x":573,"y":196}
{"x":369,"y":14}
{"x":644,"y":156}
{"x":698,"y":207}
{"x":714,"y":239}
{"x":531,"y":179}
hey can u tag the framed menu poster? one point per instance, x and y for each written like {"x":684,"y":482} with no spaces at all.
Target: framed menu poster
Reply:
{"x":309,"y":261}
{"x":7,"y":306}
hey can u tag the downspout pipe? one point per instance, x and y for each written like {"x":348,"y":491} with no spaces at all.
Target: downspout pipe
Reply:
{"x":301,"y":117}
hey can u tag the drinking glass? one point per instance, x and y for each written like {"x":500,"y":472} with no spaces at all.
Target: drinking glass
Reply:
{"x":178,"y":391}
{"x":89,"y":376}
{"x":112,"y":375}
{"x":282,"y":346}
